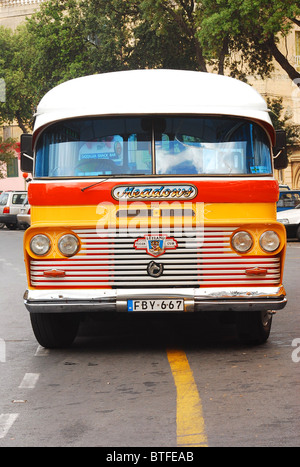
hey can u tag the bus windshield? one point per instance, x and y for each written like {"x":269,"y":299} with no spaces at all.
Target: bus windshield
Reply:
{"x":183,"y":145}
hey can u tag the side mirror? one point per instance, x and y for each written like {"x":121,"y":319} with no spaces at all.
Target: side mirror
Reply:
{"x":26,"y":153}
{"x":280,"y":151}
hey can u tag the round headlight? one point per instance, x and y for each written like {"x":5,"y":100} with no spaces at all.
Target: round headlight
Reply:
{"x":40,"y":244}
{"x":68,"y":245}
{"x":242,"y":241}
{"x":269,"y":241}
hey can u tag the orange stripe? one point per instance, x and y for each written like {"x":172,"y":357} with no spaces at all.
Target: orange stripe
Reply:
{"x":68,"y":193}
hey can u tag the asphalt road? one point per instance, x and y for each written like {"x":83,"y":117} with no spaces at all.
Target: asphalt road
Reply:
{"x":147,"y":383}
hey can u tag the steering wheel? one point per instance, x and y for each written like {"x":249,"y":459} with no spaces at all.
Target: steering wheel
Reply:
{"x":97,"y":165}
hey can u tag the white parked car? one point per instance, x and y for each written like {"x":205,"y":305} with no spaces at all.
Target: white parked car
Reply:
{"x":291,"y":219}
{"x":10,"y":204}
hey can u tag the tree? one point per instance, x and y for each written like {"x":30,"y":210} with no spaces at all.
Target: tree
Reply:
{"x":15,"y":60}
{"x":71,"y":40}
{"x":282,"y":121}
{"x":58,"y":37}
{"x":125,"y":35}
{"x":253,"y":29}
{"x":184,"y":17}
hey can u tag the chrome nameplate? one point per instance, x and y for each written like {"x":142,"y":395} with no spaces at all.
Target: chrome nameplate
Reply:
{"x":157,"y":192}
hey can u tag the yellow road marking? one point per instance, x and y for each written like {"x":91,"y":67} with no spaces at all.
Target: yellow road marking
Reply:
{"x":189,"y":417}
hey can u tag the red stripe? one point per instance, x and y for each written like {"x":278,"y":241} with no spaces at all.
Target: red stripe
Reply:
{"x":66,"y":193}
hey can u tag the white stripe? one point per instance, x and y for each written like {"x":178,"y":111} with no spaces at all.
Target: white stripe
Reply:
{"x":169,"y":266}
{"x":187,"y":274}
{"x":6,"y":421}
{"x":250,"y":261}
{"x":29,"y":381}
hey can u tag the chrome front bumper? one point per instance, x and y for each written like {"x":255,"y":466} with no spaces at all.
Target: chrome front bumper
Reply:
{"x":195,"y":299}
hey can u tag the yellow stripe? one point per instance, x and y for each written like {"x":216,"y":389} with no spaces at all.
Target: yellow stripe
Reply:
{"x":190,"y":421}
{"x":227,"y":213}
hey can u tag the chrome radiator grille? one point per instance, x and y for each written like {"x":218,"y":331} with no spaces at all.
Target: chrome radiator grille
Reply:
{"x":203,"y":257}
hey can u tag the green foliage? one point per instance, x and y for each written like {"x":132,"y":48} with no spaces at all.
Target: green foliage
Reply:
{"x":282,"y":121}
{"x":248,"y":30}
{"x":58,"y":36}
{"x":15,"y":66}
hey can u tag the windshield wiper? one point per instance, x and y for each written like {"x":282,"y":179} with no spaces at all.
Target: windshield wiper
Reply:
{"x":94,"y":184}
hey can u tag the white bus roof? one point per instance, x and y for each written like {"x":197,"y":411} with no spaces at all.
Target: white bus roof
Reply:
{"x":143,"y":92}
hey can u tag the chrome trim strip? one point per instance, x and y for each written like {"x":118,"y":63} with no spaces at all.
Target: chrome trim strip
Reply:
{"x":129,"y":283}
{"x":239,"y":261}
{"x":125,"y":270}
{"x":101,"y":300}
{"x":168,"y":267}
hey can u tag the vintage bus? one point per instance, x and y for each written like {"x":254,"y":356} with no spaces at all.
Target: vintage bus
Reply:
{"x":152,"y":192}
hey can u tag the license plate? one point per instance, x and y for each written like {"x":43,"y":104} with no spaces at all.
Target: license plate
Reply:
{"x":156,"y":305}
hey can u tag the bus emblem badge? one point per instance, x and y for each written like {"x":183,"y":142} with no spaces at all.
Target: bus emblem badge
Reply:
{"x":155,"y":245}
{"x":155,"y":269}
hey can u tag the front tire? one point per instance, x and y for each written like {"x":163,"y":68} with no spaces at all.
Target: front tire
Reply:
{"x":253,"y":327}
{"x":55,"y":330}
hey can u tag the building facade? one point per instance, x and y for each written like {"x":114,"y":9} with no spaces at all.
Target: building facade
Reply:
{"x":13,"y":12}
